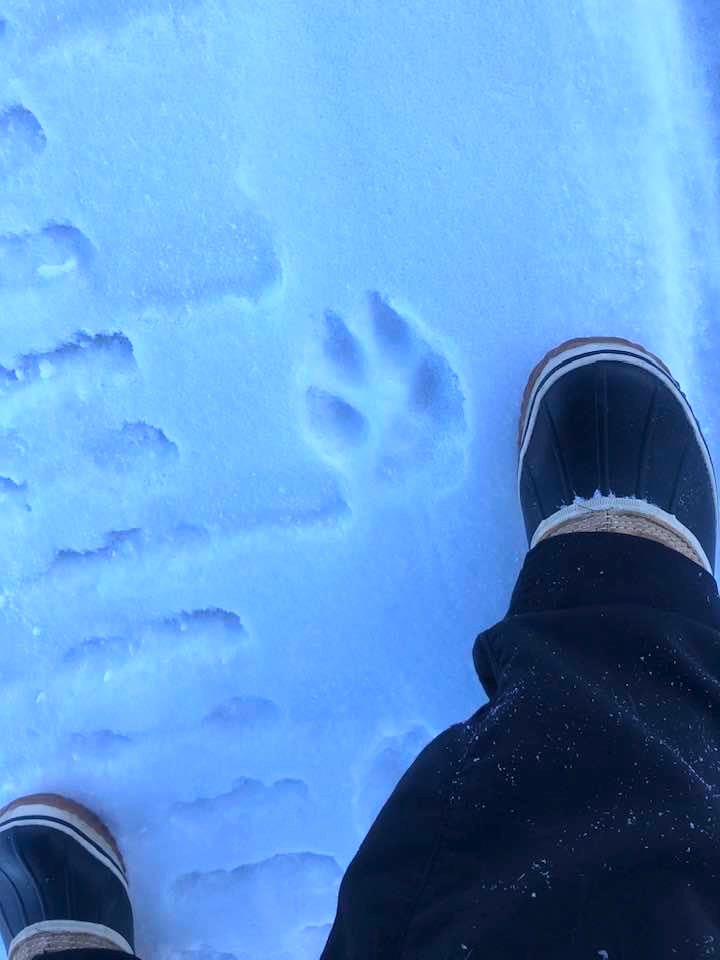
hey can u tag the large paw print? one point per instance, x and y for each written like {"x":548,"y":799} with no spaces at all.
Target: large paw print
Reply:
{"x":386,"y":405}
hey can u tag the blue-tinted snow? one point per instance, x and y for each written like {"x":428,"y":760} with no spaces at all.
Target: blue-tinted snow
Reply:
{"x":272,"y":277}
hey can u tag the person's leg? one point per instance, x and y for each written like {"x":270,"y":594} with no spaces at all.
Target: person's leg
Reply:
{"x":63,"y":883}
{"x":576,"y":814}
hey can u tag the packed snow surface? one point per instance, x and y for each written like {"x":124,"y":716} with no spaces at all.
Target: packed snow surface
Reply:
{"x":272,"y":278}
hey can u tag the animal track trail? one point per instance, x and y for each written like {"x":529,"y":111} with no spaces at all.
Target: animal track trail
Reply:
{"x":269,"y":899}
{"x":383,"y":404}
{"x":208,"y":636}
{"x":14,"y":491}
{"x":249,"y":821}
{"x":56,"y":255}
{"x":68,"y":383}
{"x":22,"y":137}
{"x":59,"y":384}
{"x":100,"y":353}
{"x":193,"y":659}
{"x":188,"y":267}
{"x":246,"y":798}
{"x":158,"y":546}
{"x":243,"y":715}
{"x":134,"y":445}
{"x":10,"y":488}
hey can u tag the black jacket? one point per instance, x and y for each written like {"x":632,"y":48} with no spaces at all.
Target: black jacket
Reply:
{"x":576,"y":815}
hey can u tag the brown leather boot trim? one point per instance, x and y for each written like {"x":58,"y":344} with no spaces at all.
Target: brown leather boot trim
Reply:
{"x":40,"y":943}
{"x":631,"y":524}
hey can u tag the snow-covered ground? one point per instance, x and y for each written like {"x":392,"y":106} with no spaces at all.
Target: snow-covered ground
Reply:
{"x":272,"y":277}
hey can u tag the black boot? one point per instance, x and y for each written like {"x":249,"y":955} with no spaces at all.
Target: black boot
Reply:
{"x":608,"y":441}
{"x":63,"y":884}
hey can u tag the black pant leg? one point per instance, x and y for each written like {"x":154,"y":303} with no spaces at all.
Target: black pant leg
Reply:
{"x":577,"y":814}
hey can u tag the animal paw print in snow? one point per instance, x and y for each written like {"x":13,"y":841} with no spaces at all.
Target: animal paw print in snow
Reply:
{"x":386,"y":404}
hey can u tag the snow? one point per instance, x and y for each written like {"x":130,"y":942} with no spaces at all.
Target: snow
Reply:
{"x":272,"y":278}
